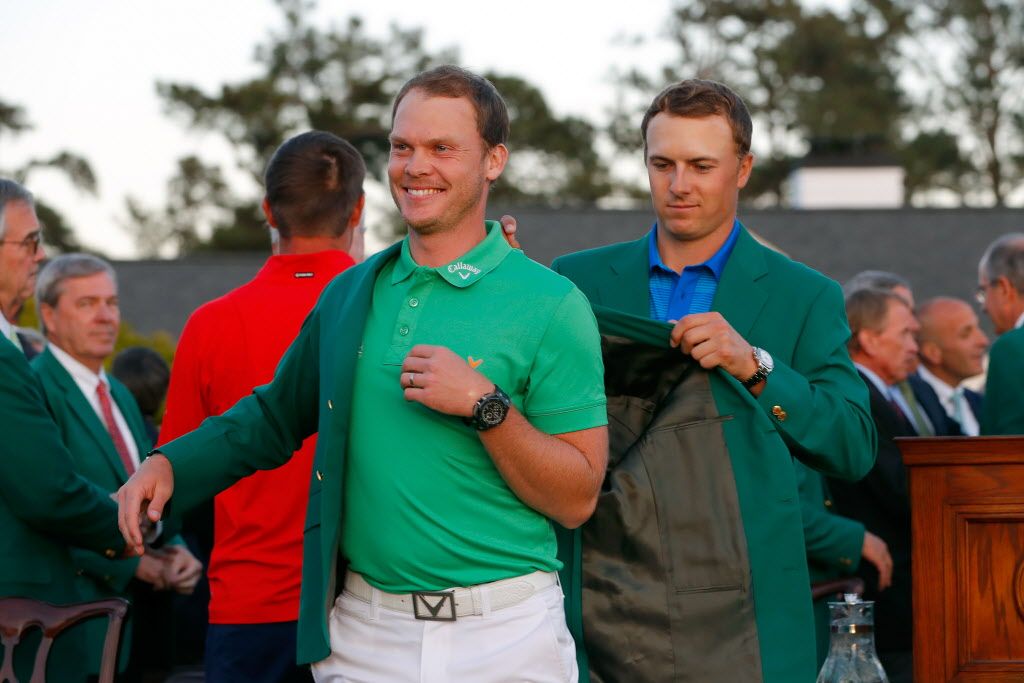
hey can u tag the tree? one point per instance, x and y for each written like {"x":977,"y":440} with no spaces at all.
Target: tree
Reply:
{"x":58,"y":233}
{"x":970,"y":54}
{"x":343,"y":80}
{"x":811,"y":76}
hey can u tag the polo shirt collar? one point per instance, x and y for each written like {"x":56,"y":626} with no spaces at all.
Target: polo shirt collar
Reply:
{"x":716,"y":264}
{"x":466,"y":270}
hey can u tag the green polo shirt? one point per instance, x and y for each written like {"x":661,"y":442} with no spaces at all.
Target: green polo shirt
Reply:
{"x":425,"y":508}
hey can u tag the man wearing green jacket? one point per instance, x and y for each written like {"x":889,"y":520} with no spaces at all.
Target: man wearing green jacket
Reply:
{"x":45,"y":506}
{"x":106,"y":436}
{"x":456,"y":388}
{"x":1001,"y":294}
{"x":772,"y":330}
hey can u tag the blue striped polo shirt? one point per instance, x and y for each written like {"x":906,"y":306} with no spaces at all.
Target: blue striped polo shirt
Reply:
{"x":674,"y":295}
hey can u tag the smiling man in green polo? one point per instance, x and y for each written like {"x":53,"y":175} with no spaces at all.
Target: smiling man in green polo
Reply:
{"x":458,"y":393}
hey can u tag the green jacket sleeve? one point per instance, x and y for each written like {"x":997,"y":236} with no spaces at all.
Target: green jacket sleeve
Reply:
{"x":260,"y":432}
{"x":38,"y":482}
{"x":827,"y":420}
{"x":833,"y":542}
{"x":113,"y":574}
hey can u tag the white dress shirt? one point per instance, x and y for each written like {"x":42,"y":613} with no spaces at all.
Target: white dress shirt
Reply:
{"x":7,"y":332}
{"x":88,"y":381}
{"x":953,"y":402}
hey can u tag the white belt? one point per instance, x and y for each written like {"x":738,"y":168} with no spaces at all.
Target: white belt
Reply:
{"x":457,"y":602}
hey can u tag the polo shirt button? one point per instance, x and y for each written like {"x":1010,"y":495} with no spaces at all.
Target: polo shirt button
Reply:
{"x":414,"y":302}
{"x":828,"y":503}
{"x":319,"y":475}
{"x":403,"y":330}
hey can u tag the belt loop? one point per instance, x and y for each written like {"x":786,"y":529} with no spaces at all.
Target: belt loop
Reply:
{"x":476,"y":600}
{"x":374,"y":603}
{"x":485,"y":601}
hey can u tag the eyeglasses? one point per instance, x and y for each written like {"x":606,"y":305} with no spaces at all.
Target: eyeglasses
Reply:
{"x":982,"y":294}
{"x":31,"y":242}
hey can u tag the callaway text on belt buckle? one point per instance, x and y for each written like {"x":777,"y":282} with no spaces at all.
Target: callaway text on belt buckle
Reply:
{"x":429,"y":605}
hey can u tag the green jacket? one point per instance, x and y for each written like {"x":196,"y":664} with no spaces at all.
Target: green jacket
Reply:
{"x":45,"y":505}
{"x":814,"y":407}
{"x":311,"y":392}
{"x":1003,"y":410}
{"x":96,"y":459}
{"x":834,"y":544}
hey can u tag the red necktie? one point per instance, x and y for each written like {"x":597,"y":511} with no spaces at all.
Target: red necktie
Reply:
{"x":115,"y":434}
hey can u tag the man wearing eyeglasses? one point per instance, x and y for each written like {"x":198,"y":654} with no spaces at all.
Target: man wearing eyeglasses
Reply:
{"x":21,"y":250}
{"x":1001,"y":294}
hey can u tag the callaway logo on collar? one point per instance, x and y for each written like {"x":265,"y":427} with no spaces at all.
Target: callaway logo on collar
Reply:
{"x":464,"y":270}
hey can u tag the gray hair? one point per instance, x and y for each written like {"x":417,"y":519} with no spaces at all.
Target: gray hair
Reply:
{"x":1005,"y":258}
{"x":11,"y":191}
{"x":875,"y":279}
{"x":50,"y":283}
{"x":866,"y":309}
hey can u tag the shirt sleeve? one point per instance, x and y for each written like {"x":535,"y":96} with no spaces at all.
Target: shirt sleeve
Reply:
{"x":566,"y":384}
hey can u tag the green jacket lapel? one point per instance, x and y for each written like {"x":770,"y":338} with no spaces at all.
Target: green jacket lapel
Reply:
{"x":740,"y":297}
{"x":343,"y":336}
{"x":626,"y":287}
{"x":52,"y":372}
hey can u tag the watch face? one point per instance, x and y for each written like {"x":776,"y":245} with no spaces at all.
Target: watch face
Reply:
{"x":492,"y":412}
{"x":765,"y":359}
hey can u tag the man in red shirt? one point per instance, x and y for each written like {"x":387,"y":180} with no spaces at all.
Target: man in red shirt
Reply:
{"x":314,"y":199}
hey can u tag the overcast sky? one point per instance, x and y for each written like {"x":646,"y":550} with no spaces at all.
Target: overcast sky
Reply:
{"x":85,"y":74}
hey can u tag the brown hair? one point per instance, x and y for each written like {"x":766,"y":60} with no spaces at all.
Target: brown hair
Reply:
{"x":866,"y":309}
{"x":313,"y":182}
{"x":697,"y":98}
{"x":453,"y":81}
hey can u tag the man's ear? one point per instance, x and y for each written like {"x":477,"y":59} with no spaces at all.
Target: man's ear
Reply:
{"x":746,"y":166}
{"x":267,"y":213}
{"x":497,"y":157}
{"x":47,"y":315}
{"x":930,"y":351}
{"x":357,"y":212}
{"x":868,"y":342}
{"x":1006,"y":289}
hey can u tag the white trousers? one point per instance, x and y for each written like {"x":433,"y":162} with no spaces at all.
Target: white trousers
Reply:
{"x":528,"y":641}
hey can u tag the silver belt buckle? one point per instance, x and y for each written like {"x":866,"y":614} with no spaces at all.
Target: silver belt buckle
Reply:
{"x":434,"y":605}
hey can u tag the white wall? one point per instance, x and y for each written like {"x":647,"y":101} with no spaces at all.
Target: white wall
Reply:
{"x":846,"y":187}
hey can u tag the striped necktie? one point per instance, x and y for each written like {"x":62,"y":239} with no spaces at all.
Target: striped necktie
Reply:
{"x":13,"y":336}
{"x":916,"y":416}
{"x":115,"y":433}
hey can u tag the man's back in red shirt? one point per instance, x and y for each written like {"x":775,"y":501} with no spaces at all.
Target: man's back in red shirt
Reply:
{"x":229,"y":346}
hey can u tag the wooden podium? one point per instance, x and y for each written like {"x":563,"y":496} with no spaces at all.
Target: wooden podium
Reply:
{"x":967,"y":517}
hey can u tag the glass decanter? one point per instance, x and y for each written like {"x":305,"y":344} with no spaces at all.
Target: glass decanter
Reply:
{"x":851,"y":655}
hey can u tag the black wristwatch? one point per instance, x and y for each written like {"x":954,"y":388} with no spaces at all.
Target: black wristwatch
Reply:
{"x":490,"y":411}
{"x":765,"y":365}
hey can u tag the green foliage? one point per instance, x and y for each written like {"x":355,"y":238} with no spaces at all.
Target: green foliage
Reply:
{"x":979,"y":90}
{"x":343,"y":80}
{"x":57,"y":232}
{"x":806,"y":73}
